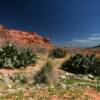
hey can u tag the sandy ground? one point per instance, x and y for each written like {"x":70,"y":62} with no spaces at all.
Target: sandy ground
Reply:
{"x":93,"y":94}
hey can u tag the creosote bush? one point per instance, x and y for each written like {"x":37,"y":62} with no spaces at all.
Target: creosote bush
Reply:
{"x":14,"y":57}
{"x":81,"y":64}
{"x":20,"y":77}
{"x":97,"y":68}
{"x":44,"y":75}
{"x":57,"y":53}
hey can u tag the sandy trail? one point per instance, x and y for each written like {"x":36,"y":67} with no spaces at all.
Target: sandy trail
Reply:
{"x":93,"y":94}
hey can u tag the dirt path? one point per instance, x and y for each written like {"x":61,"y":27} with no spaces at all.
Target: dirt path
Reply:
{"x":92,"y":93}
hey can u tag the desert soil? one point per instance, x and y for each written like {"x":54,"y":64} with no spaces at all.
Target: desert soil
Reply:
{"x":92,"y":93}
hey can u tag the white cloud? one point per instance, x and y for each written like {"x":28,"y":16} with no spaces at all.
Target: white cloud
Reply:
{"x":92,"y":40}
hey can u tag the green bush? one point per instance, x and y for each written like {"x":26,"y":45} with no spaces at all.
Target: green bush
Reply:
{"x":97,"y":68}
{"x":57,"y":53}
{"x":13,"y":57}
{"x":20,"y":77}
{"x":44,"y":75}
{"x":80,"y":64}
{"x":25,"y":57}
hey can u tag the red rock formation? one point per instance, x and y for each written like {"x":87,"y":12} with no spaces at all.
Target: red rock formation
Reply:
{"x":22,"y":38}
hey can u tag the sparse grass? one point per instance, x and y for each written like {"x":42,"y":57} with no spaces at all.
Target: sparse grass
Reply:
{"x":72,"y":93}
{"x":74,"y":90}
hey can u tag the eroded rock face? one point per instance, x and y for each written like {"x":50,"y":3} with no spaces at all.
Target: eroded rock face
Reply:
{"x":22,"y":38}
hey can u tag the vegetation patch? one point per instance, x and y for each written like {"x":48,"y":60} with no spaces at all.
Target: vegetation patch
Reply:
{"x":45,"y":75}
{"x":57,"y":53}
{"x":82,"y":64}
{"x":39,"y":86}
{"x":14,"y":57}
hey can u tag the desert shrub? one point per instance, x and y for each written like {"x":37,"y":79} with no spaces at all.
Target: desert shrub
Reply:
{"x":13,"y":57}
{"x":97,"y":68}
{"x":20,"y":77}
{"x":57,"y":53}
{"x":80,"y":64}
{"x":25,"y":57}
{"x":43,"y":76}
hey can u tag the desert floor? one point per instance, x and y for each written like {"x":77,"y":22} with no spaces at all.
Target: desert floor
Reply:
{"x":18,"y":84}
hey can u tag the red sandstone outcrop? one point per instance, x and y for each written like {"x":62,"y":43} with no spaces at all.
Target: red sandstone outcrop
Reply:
{"x":22,"y":38}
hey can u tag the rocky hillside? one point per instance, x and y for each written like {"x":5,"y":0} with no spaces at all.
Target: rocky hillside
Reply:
{"x":22,"y":38}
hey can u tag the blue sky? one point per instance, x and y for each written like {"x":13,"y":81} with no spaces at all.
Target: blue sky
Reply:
{"x":66,"y":22}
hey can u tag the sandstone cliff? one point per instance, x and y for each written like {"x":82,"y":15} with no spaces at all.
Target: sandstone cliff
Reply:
{"x":22,"y":38}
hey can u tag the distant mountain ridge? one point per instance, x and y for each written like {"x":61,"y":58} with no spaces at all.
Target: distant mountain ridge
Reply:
{"x":22,"y":38}
{"x":98,"y":46}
